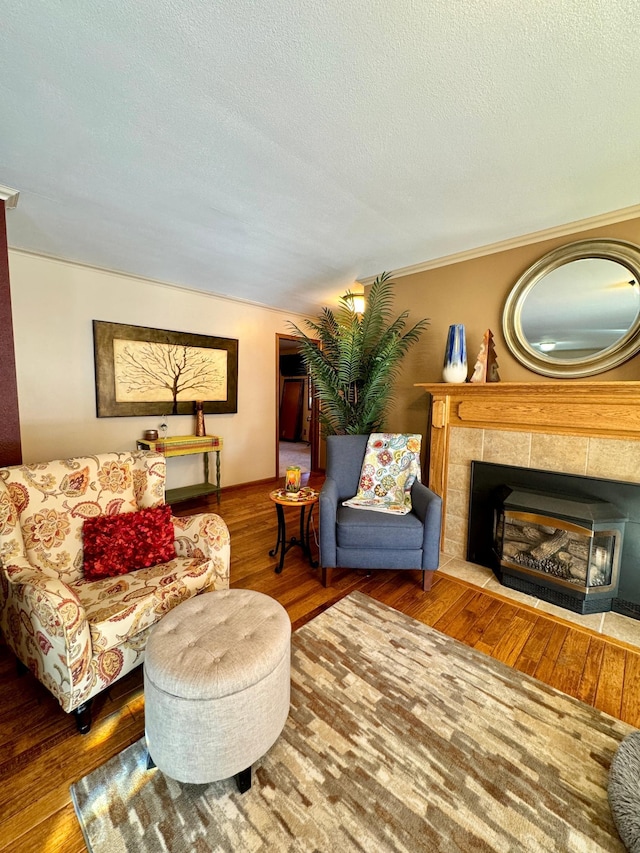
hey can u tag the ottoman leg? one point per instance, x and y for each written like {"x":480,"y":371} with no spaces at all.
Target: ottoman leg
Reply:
{"x":150,"y":762}
{"x":243,"y":780}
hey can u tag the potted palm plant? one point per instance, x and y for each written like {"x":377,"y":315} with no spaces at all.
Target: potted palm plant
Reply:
{"x":353,"y":359}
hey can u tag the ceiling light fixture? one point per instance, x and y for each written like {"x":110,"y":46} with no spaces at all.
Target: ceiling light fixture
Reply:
{"x":356,"y":301}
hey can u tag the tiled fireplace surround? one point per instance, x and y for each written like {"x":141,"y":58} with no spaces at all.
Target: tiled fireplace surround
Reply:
{"x":591,"y":429}
{"x":568,"y":454}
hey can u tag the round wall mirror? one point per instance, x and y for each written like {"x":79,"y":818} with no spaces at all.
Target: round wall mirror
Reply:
{"x":576,"y":311}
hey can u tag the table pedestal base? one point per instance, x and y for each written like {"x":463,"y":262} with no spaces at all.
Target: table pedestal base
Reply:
{"x":283,"y":545}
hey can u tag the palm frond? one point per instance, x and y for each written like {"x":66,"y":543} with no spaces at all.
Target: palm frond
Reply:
{"x":353,"y":359}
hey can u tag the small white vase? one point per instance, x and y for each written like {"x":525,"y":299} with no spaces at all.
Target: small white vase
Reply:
{"x":455,"y":355}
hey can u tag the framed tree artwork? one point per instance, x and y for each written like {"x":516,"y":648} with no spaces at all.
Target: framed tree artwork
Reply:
{"x":143,"y":371}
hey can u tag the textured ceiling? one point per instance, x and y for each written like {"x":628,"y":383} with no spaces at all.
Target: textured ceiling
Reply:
{"x":275,"y":150}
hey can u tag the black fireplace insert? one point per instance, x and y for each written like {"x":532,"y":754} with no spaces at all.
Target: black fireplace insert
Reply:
{"x":567,"y":547}
{"x":564,"y":538}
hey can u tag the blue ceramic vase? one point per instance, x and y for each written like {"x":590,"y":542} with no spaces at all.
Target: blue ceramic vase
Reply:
{"x":455,"y":355}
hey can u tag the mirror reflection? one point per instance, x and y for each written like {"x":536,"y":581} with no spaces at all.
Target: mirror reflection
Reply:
{"x":576,"y":311}
{"x":581,"y":308}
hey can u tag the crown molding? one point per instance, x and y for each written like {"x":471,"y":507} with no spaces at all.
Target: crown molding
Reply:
{"x":9,"y":197}
{"x":599,"y":221}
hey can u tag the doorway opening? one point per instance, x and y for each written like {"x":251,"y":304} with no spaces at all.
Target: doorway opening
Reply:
{"x":297,"y":422}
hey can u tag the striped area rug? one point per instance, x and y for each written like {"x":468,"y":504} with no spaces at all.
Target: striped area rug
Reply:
{"x":399,"y":739}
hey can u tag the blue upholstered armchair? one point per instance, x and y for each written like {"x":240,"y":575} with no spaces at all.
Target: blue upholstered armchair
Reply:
{"x":366,"y":539}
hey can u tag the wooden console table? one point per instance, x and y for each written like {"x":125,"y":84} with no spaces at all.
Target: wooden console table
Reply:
{"x":185,"y":445}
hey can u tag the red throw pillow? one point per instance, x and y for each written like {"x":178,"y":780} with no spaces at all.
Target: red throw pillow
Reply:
{"x":117,"y":544}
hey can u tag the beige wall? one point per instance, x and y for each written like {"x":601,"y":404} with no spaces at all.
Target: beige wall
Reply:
{"x":54,"y":302}
{"x":473,"y":292}
{"x":53,"y":305}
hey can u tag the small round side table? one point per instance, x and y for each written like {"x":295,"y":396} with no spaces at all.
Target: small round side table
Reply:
{"x":306,"y":499}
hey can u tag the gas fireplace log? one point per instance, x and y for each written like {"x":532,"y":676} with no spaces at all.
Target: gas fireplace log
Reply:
{"x":579,"y":548}
{"x":513,"y":532}
{"x":551,"y":545}
{"x":532,"y":534}
{"x":512,"y":549}
{"x":576,"y":567}
{"x":579,"y":572}
{"x":517,"y":532}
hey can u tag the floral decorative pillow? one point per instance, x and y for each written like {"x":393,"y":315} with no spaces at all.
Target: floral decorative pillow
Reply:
{"x":391,"y":466}
{"x":117,"y":544}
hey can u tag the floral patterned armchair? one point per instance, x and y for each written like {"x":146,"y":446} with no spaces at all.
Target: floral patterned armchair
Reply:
{"x":75,"y":635}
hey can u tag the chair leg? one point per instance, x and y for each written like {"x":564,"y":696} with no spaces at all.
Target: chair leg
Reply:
{"x":327,"y":574}
{"x":243,"y":779}
{"x":427,"y":580}
{"x":83,"y":717}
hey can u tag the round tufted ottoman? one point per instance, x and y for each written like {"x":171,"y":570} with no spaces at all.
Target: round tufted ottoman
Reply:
{"x":216,"y":685}
{"x":624,"y":791}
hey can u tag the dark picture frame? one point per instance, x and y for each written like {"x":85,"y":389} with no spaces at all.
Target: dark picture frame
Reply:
{"x":133,"y":368}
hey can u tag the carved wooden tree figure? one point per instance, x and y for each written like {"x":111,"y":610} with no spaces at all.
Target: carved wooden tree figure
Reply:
{"x":486,"y":366}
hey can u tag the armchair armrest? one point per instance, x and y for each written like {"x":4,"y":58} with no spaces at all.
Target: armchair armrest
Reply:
{"x":21,"y":573}
{"x":428,"y":507}
{"x":19,"y":570}
{"x":205,"y":536}
{"x":57,"y":647}
{"x":328,"y":505}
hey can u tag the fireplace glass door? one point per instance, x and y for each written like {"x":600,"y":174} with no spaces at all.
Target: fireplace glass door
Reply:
{"x":567,"y":553}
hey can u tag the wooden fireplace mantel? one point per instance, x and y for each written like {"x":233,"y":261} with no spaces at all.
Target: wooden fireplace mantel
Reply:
{"x":603,"y":409}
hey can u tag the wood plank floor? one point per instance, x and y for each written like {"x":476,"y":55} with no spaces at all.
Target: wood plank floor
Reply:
{"x":41,"y":754}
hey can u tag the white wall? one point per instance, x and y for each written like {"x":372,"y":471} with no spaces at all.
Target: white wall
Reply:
{"x":54,"y":304}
